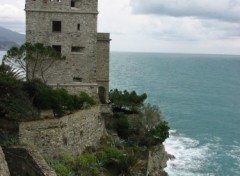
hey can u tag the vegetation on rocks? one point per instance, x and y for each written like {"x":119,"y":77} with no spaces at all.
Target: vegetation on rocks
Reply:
{"x":110,"y":160}
{"x":23,"y":100}
{"x":148,"y":129}
{"x":125,"y":101}
{"x":124,"y":154}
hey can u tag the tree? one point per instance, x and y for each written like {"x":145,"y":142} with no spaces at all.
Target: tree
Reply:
{"x":32,"y":59}
{"x":127,"y":101}
{"x":151,"y":115}
{"x":14,"y":102}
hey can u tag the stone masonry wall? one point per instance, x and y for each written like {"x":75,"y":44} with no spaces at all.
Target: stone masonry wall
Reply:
{"x":3,"y":165}
{"x":103,"y":50}
{"x":26,"y":161}
{"x":78,"y":29}
{"x":72,"y":133}
{"x":77,"y":64}
{"x":86,"y":51}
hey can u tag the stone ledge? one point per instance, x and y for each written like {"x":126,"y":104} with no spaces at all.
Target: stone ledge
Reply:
{"x":74,"y":85}
{"x":62,"y":11}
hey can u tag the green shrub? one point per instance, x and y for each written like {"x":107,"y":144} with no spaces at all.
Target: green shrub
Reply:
{"x":87,"y":165}
{"x":126,"y":101}
{"x":85,"y":98}
{"x":113,"y":152}
{"x":151,"y":115}
{"x":122,"y":126}
{"x":14,"y":102}
{"x":69,"y":160}
{"x":125,"y":163}
{"x":86,"y":160}
{"x":44,"y":97}
{"x":161,"y":132}
{"x":61,"y":169}
{"x":40,"y":94}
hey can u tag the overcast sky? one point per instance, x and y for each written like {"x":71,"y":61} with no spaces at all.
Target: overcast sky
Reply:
{"x":180,"y":26}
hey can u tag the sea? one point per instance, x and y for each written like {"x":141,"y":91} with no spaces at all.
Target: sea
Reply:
{"x":199,"y":95}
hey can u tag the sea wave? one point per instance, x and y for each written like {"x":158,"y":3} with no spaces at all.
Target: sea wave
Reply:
{"x":234,"y":153}
{"x":190,"y":156}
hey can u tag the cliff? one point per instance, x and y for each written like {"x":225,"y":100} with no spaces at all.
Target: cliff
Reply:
{"x":157,"y":161}
{"x":83,"y":131}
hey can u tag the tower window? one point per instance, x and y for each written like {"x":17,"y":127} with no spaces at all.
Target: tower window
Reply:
{"x":58,"y":48}
{"x":78,"y":27}
{"x":77,"y":49}
{"x":56,"y":26}
{"x":72,"y":3}
{"x":77,"y":79}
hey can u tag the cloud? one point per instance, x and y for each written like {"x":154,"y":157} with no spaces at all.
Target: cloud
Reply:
{"x":201,"y":26}
{"x":12,"y":15}
{"x":224,"y":10}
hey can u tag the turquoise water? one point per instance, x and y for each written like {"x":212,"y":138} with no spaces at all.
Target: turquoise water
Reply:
{"x":200,"y":97}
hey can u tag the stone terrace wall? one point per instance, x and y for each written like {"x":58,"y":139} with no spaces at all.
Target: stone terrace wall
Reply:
{"x":26,"y":161}
{"x":3,"y":165}
{"x":73,"y":133}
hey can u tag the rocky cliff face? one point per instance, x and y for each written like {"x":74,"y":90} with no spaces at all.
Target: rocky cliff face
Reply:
{"x":3,"y":165}
{"x":157,"y":161}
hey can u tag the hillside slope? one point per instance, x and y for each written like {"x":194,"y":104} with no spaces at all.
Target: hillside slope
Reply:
{"x":10,"y":38}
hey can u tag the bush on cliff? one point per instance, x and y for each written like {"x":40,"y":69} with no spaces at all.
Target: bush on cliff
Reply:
{"x":22,"y":100}
{"x":148,"y":129}
{"x":113,"y":160}
{"x":122,"y":125}
{"x":44,"y":97}
{"x":160,"y":133}
{"x":126,"y":101}
{"x":14,"y":102}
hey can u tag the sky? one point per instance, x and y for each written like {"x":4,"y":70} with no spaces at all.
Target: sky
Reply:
{"x":170,"y":26}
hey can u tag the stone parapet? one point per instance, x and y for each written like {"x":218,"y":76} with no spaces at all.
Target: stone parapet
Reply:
{"x":72,"y":133}
{"x":103,"y":37}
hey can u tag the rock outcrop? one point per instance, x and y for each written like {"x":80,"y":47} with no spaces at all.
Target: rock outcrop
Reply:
{"x":4,"y":171}
{"x":157,"y":161}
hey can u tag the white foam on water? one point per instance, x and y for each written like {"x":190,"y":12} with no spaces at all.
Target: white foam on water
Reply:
{"x":234,"y":153}
{"x":190,"y":156}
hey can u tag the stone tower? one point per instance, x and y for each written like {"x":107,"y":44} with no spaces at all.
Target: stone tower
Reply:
{"x":70,"y":26}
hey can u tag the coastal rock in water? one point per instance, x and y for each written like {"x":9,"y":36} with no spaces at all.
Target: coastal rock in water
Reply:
{"x":3,"y":165}
{"x":171,"y":157}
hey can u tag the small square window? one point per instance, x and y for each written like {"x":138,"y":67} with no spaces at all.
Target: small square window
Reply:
{"x":77,"y":49}
{"x":58,"y":48}
{"x":72,"y":3}
{"x":56,"y":26}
